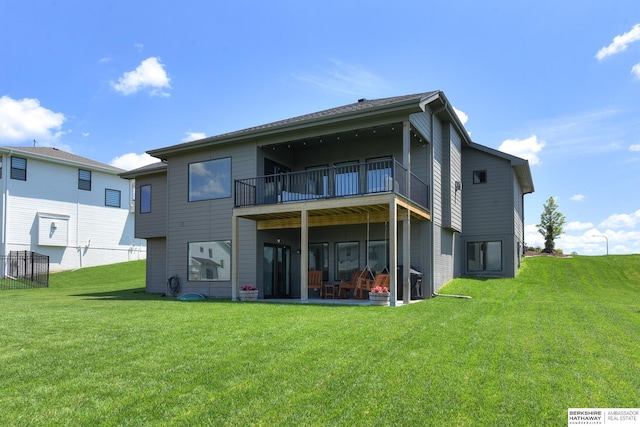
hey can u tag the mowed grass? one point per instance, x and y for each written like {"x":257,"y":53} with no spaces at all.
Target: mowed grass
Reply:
{"x":94,"y":349}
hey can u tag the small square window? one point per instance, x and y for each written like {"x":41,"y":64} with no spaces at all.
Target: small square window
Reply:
{"x":112,"y":198}
{"x":19,"y":168}
{"x":479,"y":177}
{"x":84,"y":180}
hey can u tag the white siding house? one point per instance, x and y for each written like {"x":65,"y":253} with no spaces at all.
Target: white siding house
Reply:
{"x":75,"y":210}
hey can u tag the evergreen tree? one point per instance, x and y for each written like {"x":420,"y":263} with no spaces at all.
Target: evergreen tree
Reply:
{"x":551,"y":222}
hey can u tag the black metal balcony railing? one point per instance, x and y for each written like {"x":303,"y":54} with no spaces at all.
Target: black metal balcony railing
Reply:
{"x":326,"y":183}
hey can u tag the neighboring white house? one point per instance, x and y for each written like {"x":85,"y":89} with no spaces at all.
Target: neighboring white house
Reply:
{"x":75,"y":210}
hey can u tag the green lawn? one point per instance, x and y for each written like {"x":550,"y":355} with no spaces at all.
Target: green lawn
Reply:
{"x":94,"y":349}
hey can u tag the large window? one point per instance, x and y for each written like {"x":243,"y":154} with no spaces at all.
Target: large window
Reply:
{"x":484,"y":256}
{"x":112,"y":198}
{"x":145,"y":198}
{"x":210,"y":260}
{"x":347,"y":259}
{"x":84,"y":180}
{"x":319,"y":259}
{"x":346,"y":178}
{"x":378,"y":255}
{"x":210,"y":179}
{"x":19,"y":168}
{"x":379,"y":175}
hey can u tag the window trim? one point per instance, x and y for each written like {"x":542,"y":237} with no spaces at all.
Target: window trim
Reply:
{"x":107,"y":191}
{"x":483,"y":253}
{"x":227,"y":185}
{"x":196,"y":264}
{"x":82,"y":181}
{"x":143,"y":198}
{"x":15,"y":169}
{"x":480,"y":177}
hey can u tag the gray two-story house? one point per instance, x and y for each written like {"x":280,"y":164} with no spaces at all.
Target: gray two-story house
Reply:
{"x":384,"y":185}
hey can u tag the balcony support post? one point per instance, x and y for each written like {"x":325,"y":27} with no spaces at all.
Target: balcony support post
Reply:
{"x":393,"y":250}
{"x":304,"y":255}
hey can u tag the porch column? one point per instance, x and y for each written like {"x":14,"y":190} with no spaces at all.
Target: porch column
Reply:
{"x":393,"y":252}
{"x":234,"y":257}
{"x":304,"y":255}
{"x":406,"y":222}
{"x":406,"y":258}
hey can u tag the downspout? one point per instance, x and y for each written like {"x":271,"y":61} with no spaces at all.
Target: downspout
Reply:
{"x":432,"y":258}
{"x":5,"y":203}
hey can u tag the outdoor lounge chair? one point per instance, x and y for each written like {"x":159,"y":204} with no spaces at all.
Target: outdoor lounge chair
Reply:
{"x":349,"y":285}
{"x":315,"y":280}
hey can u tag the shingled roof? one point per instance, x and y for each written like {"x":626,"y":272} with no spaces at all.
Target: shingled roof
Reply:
{"x":361,"y":106}
{"x":57,"y":155}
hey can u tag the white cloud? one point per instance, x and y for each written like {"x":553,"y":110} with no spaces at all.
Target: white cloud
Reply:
{"x":25,"y":120}
{"x":461,"y":115}
{"x":634,"y":147}
{"x":345,"y":79}
{"x":622,"y":220}
{"x":138,"y":46}
{"x":577,"y":226}
{"x":131,"y":161}
{"x":527,"y":148}
{"x":578,"y":197}
{"x":85,"y":134}
{"x":193,"y":136}
{"x":620,"y":43}
{"x":150,"y":74}
{"x":105,"y":59}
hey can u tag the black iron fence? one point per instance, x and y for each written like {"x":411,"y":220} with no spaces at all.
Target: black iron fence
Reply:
{"x":24,"y":269}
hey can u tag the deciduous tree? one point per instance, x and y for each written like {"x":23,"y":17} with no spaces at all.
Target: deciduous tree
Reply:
{"x":551,"y":222}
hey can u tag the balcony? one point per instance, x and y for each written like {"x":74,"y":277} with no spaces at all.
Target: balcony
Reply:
{"x":358,"y":179}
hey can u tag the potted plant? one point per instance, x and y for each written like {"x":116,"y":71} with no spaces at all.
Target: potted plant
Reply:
{"x":248,"y":293}
{"x":379,"y":295}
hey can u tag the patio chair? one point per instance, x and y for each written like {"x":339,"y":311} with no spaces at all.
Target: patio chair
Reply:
{"x":314,"y":280}
{"x":349,"y":285}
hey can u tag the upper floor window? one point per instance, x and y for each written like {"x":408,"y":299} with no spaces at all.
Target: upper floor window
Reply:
{"x":479,"y":177}
{"x":1,"y":166}
{"x":84,"y":180}
{"x":210,"y":179}
{"x":112,"y":198}
{"x":19,"y":168}
{"x":145,"y":198}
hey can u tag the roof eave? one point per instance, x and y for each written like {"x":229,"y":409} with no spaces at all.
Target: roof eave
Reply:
{"x":408,"y":106}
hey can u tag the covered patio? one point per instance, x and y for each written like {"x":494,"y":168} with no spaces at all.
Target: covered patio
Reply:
{"x":387,"y":207}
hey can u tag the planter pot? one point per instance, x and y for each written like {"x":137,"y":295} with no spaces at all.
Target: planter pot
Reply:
{"x":379,"y":299}
{"x":248,"y":295}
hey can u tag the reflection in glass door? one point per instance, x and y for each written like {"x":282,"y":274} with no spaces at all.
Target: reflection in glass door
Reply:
{"x":276,"y":271}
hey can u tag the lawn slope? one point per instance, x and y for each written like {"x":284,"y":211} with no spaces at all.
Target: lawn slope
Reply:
{"x":94,"y":349}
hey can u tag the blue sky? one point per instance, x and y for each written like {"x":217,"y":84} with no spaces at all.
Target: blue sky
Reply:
{"x":556,"y":82}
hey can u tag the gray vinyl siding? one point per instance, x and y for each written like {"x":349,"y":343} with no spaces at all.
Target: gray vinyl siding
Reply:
{"x":451,"y":171}
{"x":154,"y":223}
{"x":207,"y":220}
{"x":157,"y":265}
{"x":489,"y":208}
